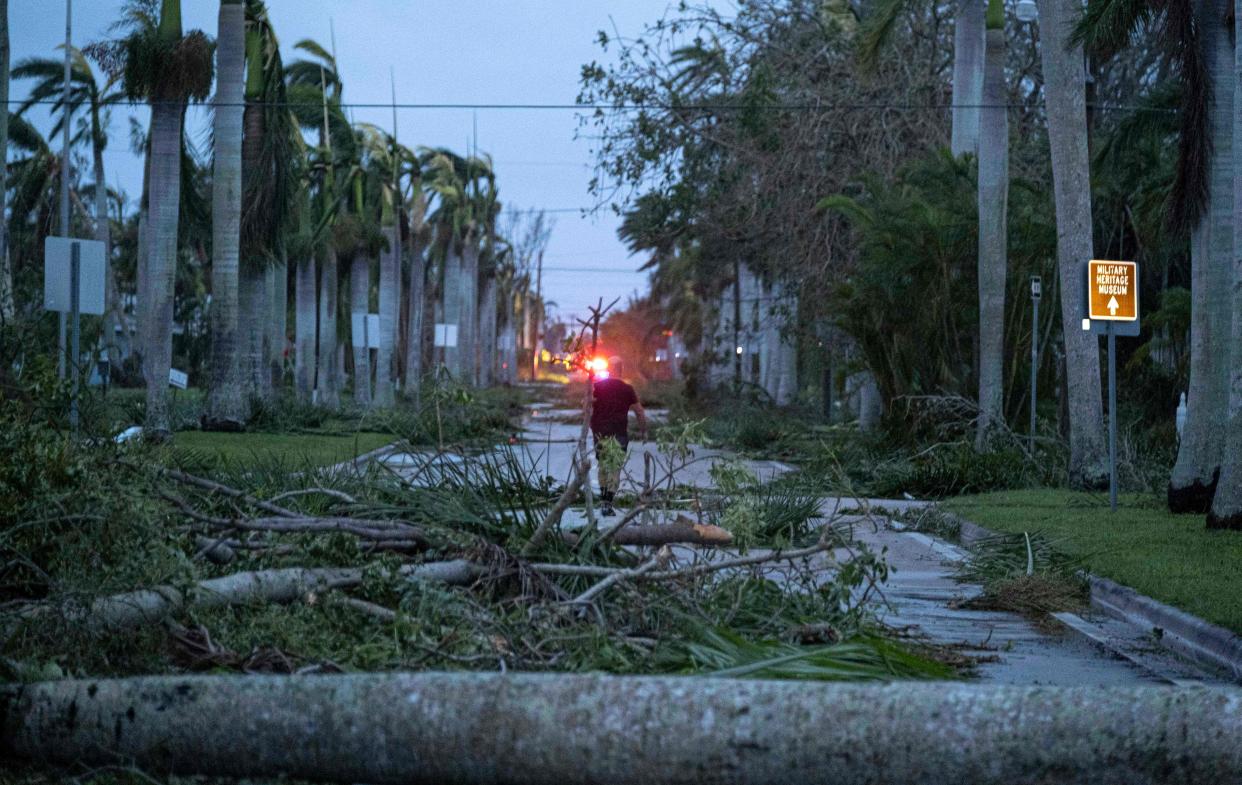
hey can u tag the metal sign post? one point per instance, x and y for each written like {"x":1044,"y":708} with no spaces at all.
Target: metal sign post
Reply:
{"x":74,"y":277}
{"x":1111,"y":297}
{"x":75,"y":304}
{"x":1036,"y":293}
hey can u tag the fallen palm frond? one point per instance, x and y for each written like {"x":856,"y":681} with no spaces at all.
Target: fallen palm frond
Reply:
{"x":1024,"y":573}
{"x":724,"y":654}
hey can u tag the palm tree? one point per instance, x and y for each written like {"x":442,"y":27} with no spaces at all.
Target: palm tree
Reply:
{"x":385,"y":162}
{"x":304,"y":323}
{"x":968,"y":46}
{"x":1197,"y":41}
{"x":420,"y":235}
{"x":457,"y":232}
{"x":270,"y":153}
{"x":168,"y":69}
{"x":226,"y":406}
{"x":1192,"y":484}
{"x":6,"y":276}
{"x":1226,"y":509}
{"x":993,"y":208}
{"x":317,"y":87}
{"x":1066,"y":99}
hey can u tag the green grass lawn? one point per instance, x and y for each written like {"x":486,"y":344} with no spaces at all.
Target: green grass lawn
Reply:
{"x":293,"y":450}
{"x":1171,"y":558}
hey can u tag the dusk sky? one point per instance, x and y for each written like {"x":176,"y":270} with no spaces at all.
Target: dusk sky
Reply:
{"x":463,"y":51}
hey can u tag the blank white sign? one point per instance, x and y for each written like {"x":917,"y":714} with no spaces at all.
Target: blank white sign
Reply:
{"x":446,"y":336}
{"x":372,"y":330}
{"x":92,"y":273}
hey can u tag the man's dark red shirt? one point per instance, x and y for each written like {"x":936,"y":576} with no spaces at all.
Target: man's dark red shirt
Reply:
{"x":610,"y":413}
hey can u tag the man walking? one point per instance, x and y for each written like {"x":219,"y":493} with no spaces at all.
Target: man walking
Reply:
{"x":610,"y":419}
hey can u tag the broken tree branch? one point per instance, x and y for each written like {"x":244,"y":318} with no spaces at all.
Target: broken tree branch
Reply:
{"x":553,"y":518}
{"x":683,"y":531}
{"x":146,"y":606}
{"x":661,"y":558}
{"x":460,"y":728}
{"x":688,"y":572}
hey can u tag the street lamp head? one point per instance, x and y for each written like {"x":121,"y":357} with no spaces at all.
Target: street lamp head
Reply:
{"x":1027,"y":11}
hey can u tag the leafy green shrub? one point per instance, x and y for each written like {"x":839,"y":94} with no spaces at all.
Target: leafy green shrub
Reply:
{"x":953,"y":470}
{"x":284,"y":412}
{"x":75,"y":519}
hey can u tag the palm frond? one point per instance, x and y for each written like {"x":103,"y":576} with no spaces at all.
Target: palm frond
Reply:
{"x":876,"y":30}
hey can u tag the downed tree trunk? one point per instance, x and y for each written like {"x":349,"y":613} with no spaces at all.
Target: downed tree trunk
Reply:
{"x":145,"y":606}
{"x":569,"y":728}
{"x":682,"y":531}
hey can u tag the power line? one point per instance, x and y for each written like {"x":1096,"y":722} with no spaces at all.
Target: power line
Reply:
{"x":777,"y":107}
{"x":589,"y":270}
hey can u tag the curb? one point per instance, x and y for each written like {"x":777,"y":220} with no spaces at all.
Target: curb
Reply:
{"x":1188,"y":635}
{"x":1193,"y":638}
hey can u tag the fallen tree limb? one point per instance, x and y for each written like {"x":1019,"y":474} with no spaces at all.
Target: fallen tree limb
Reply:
{"x":548,"y":568}
{"x":661,"y":558}
{"x":683,"y":531}
{"x":581,"y":468}
{"x":147,"y":606}
{"x":536,"y":728}
{"x":232,"y":493}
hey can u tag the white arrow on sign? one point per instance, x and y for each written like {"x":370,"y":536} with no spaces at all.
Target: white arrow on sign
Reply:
{"x":1113,"y":306}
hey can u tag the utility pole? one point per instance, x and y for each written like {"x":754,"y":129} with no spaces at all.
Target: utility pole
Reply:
{"x":64,"y":182}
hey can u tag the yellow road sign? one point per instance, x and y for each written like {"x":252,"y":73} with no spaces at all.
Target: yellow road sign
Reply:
{"x":1112,"y":291}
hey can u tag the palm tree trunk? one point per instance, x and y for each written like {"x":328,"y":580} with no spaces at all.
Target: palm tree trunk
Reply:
{"x":993,"y":206}
{"x":487,"y":330}
{"x":968,"y":49}
{"x":1066,"y":97}
{"x":253,"y":308}
{"x":278,"y":318}
{"x":6,"y":275}
{"x":787,"y":386}
{"x":414,"y":338}
{"x":389,"y":302}
{"x":226,"y":404}
{"x":329,"y":380}
{"x":304,"y":325}
{"x":469,"y":354}
{"x":359,"y":297}
{"x":157,"y":304}
{"x":451,"y":304}
{"x":1195,"y":474}
{"x":114,"y":315}
{"x":1226,"y":510}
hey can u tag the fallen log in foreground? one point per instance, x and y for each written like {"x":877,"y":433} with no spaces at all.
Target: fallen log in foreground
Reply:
{"x":565,"y":728}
